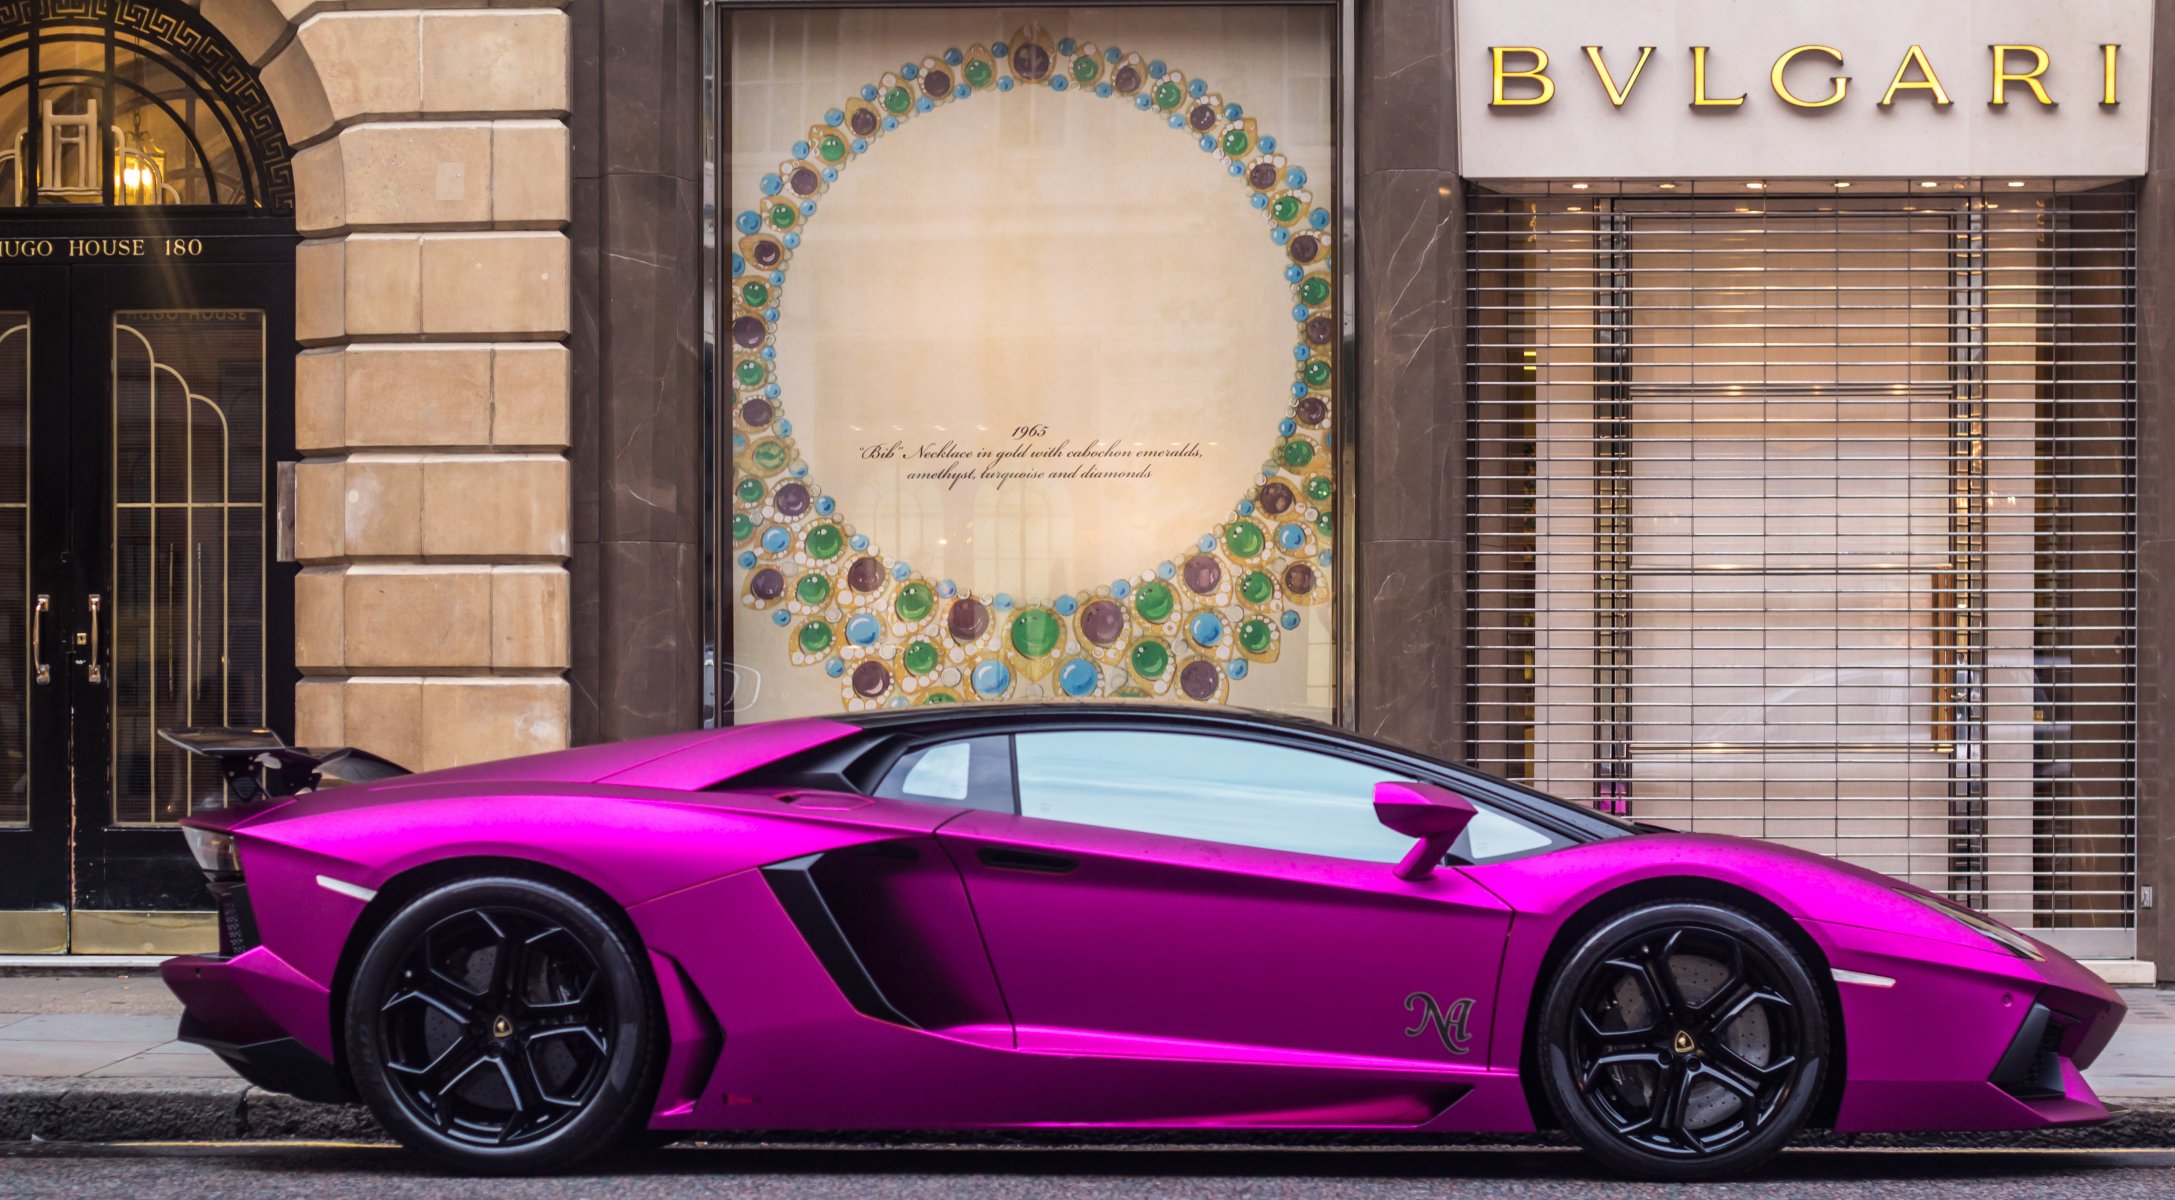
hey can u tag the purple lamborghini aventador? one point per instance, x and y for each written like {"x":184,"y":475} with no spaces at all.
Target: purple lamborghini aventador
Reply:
{"x":1078,"y":917}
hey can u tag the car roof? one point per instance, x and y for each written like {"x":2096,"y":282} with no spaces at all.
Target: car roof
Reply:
{"x":947,"y":718}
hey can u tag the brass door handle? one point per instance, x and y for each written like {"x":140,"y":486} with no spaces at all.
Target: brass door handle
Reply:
{"x":95,"y":674}
{"x":37,"y":639}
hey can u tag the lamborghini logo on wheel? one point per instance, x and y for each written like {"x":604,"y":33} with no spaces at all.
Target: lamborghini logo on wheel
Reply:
{"x":1449,"y":1023}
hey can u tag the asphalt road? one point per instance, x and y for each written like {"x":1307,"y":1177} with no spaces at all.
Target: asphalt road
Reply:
{"x":267,"y":1171}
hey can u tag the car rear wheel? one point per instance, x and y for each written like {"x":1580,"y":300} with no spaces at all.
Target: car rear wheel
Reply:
{"x":504,"y":1025}
{"x":1683,"y":1041}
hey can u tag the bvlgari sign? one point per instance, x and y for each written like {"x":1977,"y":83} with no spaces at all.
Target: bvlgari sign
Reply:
{"x":1755,"y":88}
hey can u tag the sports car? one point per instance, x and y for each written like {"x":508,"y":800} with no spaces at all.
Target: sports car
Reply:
{"x":1076,"y":917}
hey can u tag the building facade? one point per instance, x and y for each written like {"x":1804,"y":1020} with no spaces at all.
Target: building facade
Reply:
{"x":1739,"y":419}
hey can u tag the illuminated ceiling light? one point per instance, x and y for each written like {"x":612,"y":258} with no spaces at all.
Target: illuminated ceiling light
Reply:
{"x":1929,"y":183}
{"x":1842,"y":183}
{"x":1578,"y":187}
{"x":2016,"y":183}
{"x":1756,"y":185}
{"x":1574,"y":208}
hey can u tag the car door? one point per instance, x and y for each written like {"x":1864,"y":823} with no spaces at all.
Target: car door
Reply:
{"x":1187,"y":895}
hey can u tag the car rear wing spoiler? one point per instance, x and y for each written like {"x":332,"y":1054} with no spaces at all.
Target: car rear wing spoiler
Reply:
{"x":257,"y":765}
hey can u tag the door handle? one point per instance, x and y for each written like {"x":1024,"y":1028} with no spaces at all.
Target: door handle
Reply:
{"x":96,"y":673}
{"x":1026,"y":860}
{"x":37,"y":639}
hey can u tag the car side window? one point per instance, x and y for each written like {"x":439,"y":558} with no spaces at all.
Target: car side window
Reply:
{"x":1236,"y":791}
{"x":970,"y":772}
{"x":1217,"y":789}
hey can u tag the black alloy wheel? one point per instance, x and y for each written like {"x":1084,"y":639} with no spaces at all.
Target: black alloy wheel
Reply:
{"x":1683,"y":1041}
{"x":504,"y":1025}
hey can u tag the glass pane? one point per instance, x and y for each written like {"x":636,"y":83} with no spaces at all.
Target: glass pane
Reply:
{"x":187,"y":623}
{"x":14,"y":567}
{"x":1030,"y":350}
{"x":1214,"y":789}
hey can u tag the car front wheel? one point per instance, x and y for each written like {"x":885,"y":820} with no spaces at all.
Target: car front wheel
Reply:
{"x":504,"y":1026}
{"x":1683,"y":1041}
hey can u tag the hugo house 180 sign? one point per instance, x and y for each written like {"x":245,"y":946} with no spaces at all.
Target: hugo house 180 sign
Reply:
{"x":1645,"y":88}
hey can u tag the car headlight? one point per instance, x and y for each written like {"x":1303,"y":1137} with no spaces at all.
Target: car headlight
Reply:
{"x":1994,"y":931}
{"x":214,"y":851}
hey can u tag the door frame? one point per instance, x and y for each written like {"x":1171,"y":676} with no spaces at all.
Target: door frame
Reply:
{"x":139,"y":259}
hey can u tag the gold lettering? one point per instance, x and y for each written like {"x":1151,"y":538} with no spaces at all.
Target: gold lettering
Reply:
{"x":1915,"y":56}
{"x":1835,"y":94}
{"x":2107,"y":70}
{"x":2003,"y":76}
{"x":1537,"y":73}
{"x":25,"y":248}
{"x":1608,"y":81}
{"x":1700,"y":99}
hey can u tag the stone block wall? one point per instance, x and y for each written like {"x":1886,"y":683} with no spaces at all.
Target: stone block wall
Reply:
{"x":431,"y":392}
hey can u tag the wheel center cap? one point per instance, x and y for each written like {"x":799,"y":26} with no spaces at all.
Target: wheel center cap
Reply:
{"x":1683,"y":1043}
{"x":503,"y":1028}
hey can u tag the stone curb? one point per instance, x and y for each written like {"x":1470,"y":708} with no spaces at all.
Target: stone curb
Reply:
{"x":129,"y":1110}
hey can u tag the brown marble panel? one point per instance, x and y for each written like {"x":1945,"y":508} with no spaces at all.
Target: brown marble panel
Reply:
{"x":2156,"y":508}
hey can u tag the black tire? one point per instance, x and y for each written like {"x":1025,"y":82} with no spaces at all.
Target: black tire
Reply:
{"x":504,"y":1026}
{"x":1683,"y":1041}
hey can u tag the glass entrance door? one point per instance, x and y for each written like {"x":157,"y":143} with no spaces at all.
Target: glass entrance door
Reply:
{"x":133,"y":451}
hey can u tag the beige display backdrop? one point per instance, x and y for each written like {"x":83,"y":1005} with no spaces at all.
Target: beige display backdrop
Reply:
{"x":1035,"y":350}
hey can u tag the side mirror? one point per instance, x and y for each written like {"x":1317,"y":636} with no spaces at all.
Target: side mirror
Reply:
{"x":1430,"y":812}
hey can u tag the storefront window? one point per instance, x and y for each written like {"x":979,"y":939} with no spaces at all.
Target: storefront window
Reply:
{"x":1028,"y":357}
{"x":1808,"y":519}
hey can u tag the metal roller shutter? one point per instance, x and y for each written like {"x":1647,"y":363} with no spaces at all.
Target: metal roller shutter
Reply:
{"x":1811,"y":519}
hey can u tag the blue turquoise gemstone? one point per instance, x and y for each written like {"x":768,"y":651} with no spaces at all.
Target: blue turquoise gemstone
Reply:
{"x":836,"y":116}
{"x":1245,"y":509}
{"x":835,"y":667}
{"x":1296,"y":177}
{"x":800,"y":149}
{"x":1078,"y":677}
{"x":1232,"y":112}
{"x":1177,"y":122}
{"x":1298,"y":353}
{"x":1290,"y":537}
{"x":1002,"y":602}
{"x":1205,"y":629}
{"x":808,"y":208}
{"x":776,"y":277}
{"x":1279,"y":235}
{"x":862,"y":629}
{"x":1268,"y":144}
{"x":1208,"y":143}
{"x":1197,"y":88}
{"x":739,"y":264}
{"x":1234,"y":167}
{"x":771,"y":315}
{"x":776,"y":540}
{"x":868,"y":91}
{"x":1121,"y":589}
{"x":962,"y":92}
{"x":1298,"y":390}
{"x":1236,"y":669}
{"x":770,"y":352}
{"x":1065,"y":45}
{"x":860,"y":145}
{"x":740,"y":441}
{"x":825,"y":505}
{"x":1319,"y":218}
{"x":901,"y":570}
{"x":1057,"y":83}
{"x":748,"y":222}
{"x":858,"y":541}
{"x":793,"y":240}
{"x":770,"y":184}
{"x":1103,"y":90}
{"x":1206,"y":543}
{"x":924,"y":104}
{"x":1328,"y":558}
{"x":1258,"y":200}
{"x":1165,"y":570}
{"x":746,"y":559}
{"x":1292,"y":274}
{"x":1112,"y":55}
{"x":1004,"y":84}
{"x":1065,"y":605}
{"x":770,"y":390}
{"x":953,"y":57}
{"x":1299,"y":312}
{"x":991,"y":677}
{"x":997,"y":49}
{"x":1290,"y":619}
{"x":908,"y":70}
{"x":799,"y":471}
{"x":830,"y":174}
{"x":1156,"y":69}
{"x":1141,"y":101}
{"x":946,"y":587}
{"x":1286,"y":427}
{"x":890,"y":123}
{"x":780,"y":617}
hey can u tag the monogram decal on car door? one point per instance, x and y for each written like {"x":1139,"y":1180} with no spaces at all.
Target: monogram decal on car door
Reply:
{"x":1449,"y":1023}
